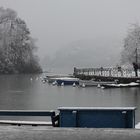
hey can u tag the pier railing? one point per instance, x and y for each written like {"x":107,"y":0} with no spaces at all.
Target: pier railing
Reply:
{"x":110,"y":72}
{"x":43,"y":113}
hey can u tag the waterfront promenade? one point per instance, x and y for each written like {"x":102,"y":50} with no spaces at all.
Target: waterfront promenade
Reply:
{"x":50,"y":133}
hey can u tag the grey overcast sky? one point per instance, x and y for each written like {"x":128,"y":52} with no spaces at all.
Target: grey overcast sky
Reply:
{"x":58,"y":22}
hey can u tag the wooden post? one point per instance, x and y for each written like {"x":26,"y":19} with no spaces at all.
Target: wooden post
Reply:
{"x":75,"y":71}
{"x":110,"y":72}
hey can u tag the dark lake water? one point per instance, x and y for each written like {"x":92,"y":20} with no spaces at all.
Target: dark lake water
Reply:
{"x":28,"y":92}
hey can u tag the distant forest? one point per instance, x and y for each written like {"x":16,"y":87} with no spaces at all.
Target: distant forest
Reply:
{"x":17,"y":47}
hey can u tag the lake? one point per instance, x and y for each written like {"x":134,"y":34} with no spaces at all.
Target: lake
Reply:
{"x":28,"y":92}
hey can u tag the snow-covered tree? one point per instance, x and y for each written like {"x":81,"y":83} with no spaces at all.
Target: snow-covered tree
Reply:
{"x":130,"y":53}
{"x":16,"y":45}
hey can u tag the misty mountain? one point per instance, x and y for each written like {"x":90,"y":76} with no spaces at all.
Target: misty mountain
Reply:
{"x":84,"y":53}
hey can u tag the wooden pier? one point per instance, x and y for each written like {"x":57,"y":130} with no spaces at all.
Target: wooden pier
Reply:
{"x":110,"y":72}
{"x":107,"y":74}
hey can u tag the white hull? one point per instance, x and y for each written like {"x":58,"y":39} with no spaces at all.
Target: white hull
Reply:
{"x":85,"y":83}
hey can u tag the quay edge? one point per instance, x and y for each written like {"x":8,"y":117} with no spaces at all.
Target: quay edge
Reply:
{"x":49,"y":133}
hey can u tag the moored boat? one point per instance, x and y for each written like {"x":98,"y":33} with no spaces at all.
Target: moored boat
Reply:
{"x":87,"y":83}
{"x":132,"y":84}
{"x":67,"y":81}
{"x":54,"y":78}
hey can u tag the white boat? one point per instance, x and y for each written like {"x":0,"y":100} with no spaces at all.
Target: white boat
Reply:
{"x":87,"y":83}
{"x":132,"y":84}
{"x":54,"y":78}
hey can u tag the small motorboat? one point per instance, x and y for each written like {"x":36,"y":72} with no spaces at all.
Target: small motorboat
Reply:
{"x":67,"y":81}
{"x":53,"y":78}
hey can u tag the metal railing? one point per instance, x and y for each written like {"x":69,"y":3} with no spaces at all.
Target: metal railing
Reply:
{"x":112,"y":72}
{"x":32,"y":113}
